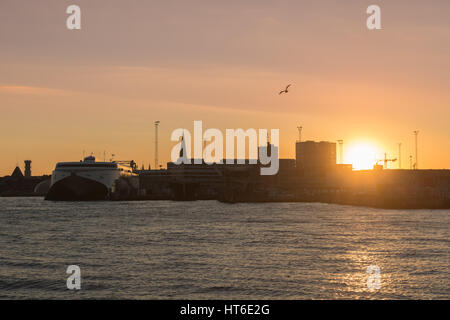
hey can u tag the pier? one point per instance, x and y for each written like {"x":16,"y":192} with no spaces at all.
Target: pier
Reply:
{"x":314,"y":176}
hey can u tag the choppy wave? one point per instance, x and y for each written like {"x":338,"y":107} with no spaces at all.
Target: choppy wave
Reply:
{"x":210,"y":250}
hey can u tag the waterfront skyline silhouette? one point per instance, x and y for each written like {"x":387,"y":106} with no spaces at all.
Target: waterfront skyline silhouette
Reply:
{"x":101,"y":88}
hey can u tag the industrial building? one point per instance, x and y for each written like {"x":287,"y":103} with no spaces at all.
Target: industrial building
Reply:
{"x":313,"y":176}
{"x":313,"y":158}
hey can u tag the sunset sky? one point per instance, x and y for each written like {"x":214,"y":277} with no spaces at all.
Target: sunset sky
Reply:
{"x":223,"y":62}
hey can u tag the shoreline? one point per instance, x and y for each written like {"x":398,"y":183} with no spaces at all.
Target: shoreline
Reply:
{"x":361,"y":202}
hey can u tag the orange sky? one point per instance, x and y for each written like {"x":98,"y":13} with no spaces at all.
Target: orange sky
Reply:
{"x":223,"y":62}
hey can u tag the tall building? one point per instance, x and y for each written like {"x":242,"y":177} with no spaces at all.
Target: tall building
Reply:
{"x":315,"y":157}
{"x":27,"y":168}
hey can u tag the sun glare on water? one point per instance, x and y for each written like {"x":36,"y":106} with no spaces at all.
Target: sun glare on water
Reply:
{"x":362,"y":156}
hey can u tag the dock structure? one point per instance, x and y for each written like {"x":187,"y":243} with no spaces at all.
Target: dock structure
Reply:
{"x":314,"y":176}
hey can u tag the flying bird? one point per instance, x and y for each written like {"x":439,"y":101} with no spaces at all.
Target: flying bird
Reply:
{"x":285,"y":90}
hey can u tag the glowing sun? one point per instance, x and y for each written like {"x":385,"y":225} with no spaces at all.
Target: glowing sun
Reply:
{"x":362,"y":156}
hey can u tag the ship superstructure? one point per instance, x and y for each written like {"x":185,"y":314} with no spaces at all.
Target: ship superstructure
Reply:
{"x":86,"y":179}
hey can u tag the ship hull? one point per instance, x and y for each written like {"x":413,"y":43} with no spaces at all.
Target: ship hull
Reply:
{"x":76,"y":188}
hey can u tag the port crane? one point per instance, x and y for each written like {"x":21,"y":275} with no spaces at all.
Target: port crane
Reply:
{"x":386,"y":160}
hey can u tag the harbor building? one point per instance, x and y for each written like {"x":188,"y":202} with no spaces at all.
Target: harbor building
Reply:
{"x":315,"y":158}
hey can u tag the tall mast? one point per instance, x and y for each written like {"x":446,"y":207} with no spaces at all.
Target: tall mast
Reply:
{"x":156,"y":143}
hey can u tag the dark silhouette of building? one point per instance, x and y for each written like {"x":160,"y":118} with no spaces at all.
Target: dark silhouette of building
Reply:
{"x":16,"y":185}
{"x":17,"y":173}
{"x":27,"y":168}
{"x":315,"y":157}
{"x":268,"y":149}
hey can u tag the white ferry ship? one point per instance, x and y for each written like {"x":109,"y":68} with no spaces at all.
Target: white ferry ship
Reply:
{"x":86,"y":180}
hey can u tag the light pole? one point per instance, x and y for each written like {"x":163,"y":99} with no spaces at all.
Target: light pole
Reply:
{"x":299,"y":134}
{"x":341,"y":151}
{"x":156,"y":143}
{"x":416,"y":165}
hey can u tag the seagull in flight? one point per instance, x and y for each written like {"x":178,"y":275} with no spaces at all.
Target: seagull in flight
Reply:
{"x":285,"y":90}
